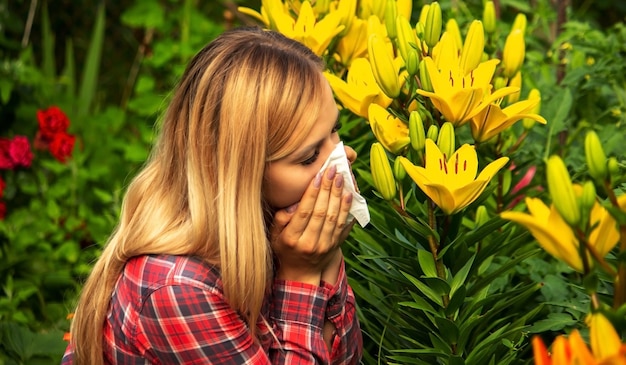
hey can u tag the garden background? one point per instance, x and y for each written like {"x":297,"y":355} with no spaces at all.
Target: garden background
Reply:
{"x":82,"y":84}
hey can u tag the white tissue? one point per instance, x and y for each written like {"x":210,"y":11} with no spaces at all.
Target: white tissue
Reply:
{"x":358,"y":210}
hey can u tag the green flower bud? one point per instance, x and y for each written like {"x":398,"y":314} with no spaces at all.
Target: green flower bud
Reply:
{"x":424,"y":14}
{"x":507,"y":177}
{"x":433,"y":24}
{"x":424,"y":77}
{"x":391,"y":12}
{"x":406,"y":39}
{"x":452,"y":28}
{"x":596,"y":159}
{"x":398,"y":170}
{"x":489,"y":17}
{"x":416,"y":131}
{"x":562,"y":191}
{"x":481,"y":216}
{"x":433,"y":132}
{"x":499,"y":83}
{"x":384,"y":70}
{"x":446,"y":140}
{"x":412,"y":62}
{"x":587,"y":198}
{"x":383,"y":178}
{"x":613,"y":167}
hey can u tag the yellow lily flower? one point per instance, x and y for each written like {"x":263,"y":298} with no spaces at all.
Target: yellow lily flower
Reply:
{"x":605,"y":342}
{"x":460,"y":97}
{"x":452,"y":184}
{"x":492,"y":120}
{"x":389,"y":130}
{"x":556,"y":237}
{"x":353,"y":44}
{"x":360,"y":88}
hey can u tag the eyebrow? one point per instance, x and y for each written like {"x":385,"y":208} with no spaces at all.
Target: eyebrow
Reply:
{"x":304,"y":151}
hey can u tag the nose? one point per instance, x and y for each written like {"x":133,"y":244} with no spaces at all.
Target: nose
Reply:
{"x":350,"y":153}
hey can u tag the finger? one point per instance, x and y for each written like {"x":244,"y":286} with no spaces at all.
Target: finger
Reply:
{"x":333,"y":213}
{"x":317,"y":217}
{"x":281,"y":219}
{"x":343,"y":225}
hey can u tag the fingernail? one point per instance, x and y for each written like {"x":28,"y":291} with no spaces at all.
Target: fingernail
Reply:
{"x":339,"y":181}
{"x":292,"y":208}
{"x":331,"y":172}
{"x":318,"y":180}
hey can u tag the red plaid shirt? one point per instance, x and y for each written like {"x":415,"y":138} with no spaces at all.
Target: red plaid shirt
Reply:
{"x":171,"y":310}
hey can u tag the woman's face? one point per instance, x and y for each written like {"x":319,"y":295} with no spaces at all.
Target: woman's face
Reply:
{"x":287,"y":179}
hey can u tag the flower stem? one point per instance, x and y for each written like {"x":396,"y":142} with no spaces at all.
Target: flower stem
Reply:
{"x":434,"y":249}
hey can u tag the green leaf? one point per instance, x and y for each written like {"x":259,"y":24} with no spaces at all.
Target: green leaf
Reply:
{"x":53,"y":210}
{"x":47,"y":37}
{"x":144,"y":14}
{"x":89,"y":79}
{"x":6,"y":87}
{"x":448,"y":330}
{"x":554,"y":322}
{"x":459,"y":279}
{"x":424,"y":289}
{"x":427,"y":263}
{"x":456,"y":300}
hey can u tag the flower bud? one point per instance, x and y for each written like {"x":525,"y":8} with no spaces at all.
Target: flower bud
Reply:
{"x":433,"y":24}
{"x":473,"y":47}
{"x":562,"y":191}
{"x":452,"y":28}
{"x":398,"y":170}
{"x":391,"y":12}
{"x":499,"y":83}
{"x":520,"y":22}
{"x":424,"y":14}
{"x":416,"y":131}
{"x":595,"y":156}
{"x":433,"y":132}
{"x":507,"y":178}
{"x":489,"y":17}
{"x":613,"y":167}
{"x":481,"y":216}
{"x":384,"y":70}
{"x":412,"y":62}
{"x":528,"y":123}
{"x":513,"y":53}
{"x":406,"y":38}
{"x":424,"y":77}
{"x":587,"y":199}
{"x":382,"y":175}
{"x":446,"y":140}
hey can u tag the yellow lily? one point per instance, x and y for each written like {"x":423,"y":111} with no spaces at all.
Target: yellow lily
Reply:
{"x":460,"y":97}
{"x":556,"y":237}
{"x":452,"y":184}
{"x":492,"y":120}
{"x":354,"y":43}
{"x":389,"y":130}
{"x":368,"y":8}
{"x":316,"y":35}
{"x":360,"y":88}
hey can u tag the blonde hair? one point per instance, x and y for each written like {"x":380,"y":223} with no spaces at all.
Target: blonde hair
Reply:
{"x":248,"y":98}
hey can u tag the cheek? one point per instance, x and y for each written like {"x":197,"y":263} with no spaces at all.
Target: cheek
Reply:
{"x":285,"y":187}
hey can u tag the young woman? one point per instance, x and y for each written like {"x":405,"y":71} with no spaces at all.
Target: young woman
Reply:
{"x":227,"y":249}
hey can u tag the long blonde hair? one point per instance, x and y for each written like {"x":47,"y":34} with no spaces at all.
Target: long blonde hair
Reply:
{"x":247,"y":98}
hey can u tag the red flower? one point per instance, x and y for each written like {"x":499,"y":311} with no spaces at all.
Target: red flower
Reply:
{"x":51,"y":122}
{"x":62,"y":145}
{"x":6,"y":162}
{"x":20,"y":151}
{"x":15,"y":152}
{"x":2,"y":186}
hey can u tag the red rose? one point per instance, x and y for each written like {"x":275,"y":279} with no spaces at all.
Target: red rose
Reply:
{"x":62,"y":145}
{"x":3,"y":210}
{"x":51,"y":122}
{"x":2,"y":186}
{"x":6,"y":162}
{"x":20,"y":152}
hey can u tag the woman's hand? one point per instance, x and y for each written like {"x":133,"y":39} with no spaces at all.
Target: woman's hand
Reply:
{"x":306,"y":237}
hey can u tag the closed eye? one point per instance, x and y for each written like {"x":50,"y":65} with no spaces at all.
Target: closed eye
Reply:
{"x":311,"y":159}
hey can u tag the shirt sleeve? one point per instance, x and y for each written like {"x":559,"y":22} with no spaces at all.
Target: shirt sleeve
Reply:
{"x":299,"y":311}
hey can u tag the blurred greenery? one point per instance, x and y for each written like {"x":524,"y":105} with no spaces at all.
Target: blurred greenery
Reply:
{"x":110,"y":67}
